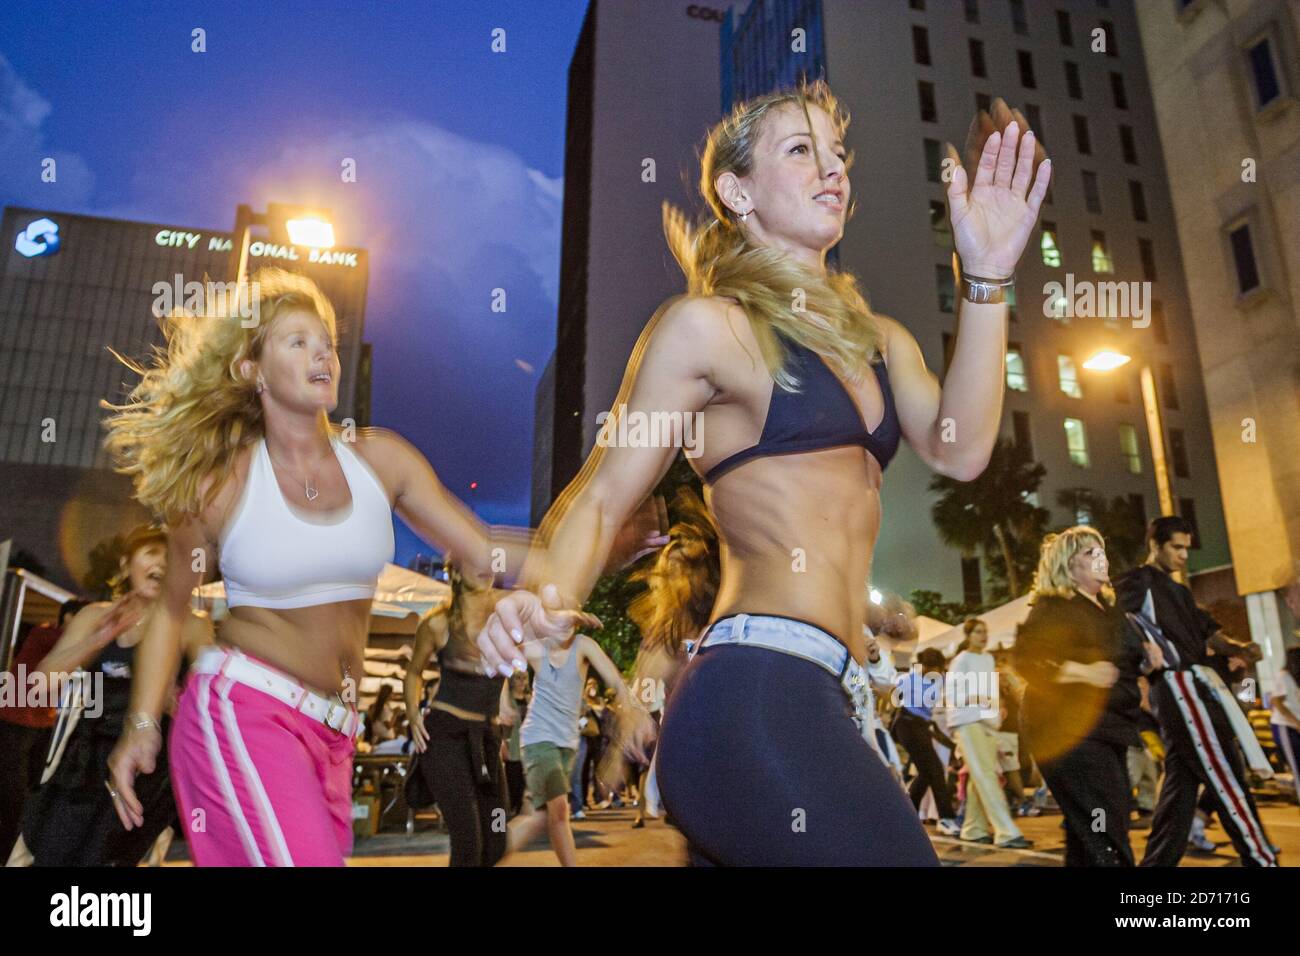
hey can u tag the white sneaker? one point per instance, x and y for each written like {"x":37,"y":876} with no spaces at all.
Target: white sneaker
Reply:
{"x":1199,"y":841}
{"x":949,"y":827}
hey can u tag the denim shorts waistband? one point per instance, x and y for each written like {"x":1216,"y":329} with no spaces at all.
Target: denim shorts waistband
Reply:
{"x":783,"y":634}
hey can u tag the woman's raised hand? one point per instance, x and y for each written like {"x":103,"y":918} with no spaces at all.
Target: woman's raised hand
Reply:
{"x":993,"y":216}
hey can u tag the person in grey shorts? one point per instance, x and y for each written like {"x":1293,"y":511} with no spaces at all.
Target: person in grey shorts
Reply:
{"x":549,"y":736}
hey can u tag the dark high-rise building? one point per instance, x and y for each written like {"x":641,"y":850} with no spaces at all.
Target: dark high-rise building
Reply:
{"x":73,"y":287}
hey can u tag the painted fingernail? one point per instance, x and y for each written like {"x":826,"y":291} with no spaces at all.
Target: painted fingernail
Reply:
{"x":518,"y":635}
{"x":519,"y":665}
{"x":505,"y":671}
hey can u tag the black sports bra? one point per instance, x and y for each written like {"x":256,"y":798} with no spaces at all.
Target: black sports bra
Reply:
{"x":822,"y":414}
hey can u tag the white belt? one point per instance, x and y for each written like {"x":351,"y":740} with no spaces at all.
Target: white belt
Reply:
{"x":331,"y":711}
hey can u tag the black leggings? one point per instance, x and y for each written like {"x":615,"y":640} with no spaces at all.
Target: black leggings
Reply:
{"x":760,"y":764}
{"x":914,"y":734}
{"x":1090,"y":778}
{"x":473,"y":808}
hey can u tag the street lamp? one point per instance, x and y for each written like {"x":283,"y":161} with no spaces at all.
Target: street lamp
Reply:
{"x":1108,"y":360}
{"x":296,"y":225}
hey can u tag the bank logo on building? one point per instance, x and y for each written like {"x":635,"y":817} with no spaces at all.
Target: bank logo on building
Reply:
{"x":40,"y":238}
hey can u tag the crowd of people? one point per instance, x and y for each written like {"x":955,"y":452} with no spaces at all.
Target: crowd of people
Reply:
{"x":755,"y":709}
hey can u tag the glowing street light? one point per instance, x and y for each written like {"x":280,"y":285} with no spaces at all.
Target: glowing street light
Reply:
{"x":1107,"y":360}
{"x":311,"y":232}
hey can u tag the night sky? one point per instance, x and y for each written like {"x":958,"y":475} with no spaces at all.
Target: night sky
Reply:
{"x":459,"y":154}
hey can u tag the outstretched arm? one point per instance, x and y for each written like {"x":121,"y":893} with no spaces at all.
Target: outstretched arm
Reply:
{"x":669,"y":374}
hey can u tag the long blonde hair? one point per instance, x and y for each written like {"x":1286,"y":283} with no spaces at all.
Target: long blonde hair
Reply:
{"x":719,"y":258}
{"x":682,"y":584}
{"x":193,"y":409}
{"x":1058,"y":550}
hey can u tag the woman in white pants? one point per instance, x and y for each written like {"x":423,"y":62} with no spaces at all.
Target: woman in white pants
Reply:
{"x":973,"y":717}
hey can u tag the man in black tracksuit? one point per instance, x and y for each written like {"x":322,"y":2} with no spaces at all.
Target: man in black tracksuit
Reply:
{"x":1200,"y":745}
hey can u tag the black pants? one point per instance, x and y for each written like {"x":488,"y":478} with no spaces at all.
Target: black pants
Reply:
{"x":22,"y":759}
{"x":1200,"y":750}
{"x":1090,"y":782}
{"x":760,"y":764}
{"x":590,"y":768}
{"x":463,"y":770}
{"x":913,"y":733}
{"x":515,"y":785}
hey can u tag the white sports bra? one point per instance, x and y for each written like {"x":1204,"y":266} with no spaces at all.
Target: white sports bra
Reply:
{"x":272,"y":556}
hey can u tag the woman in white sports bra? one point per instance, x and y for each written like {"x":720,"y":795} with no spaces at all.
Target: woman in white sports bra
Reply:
{"x":227,"y":436}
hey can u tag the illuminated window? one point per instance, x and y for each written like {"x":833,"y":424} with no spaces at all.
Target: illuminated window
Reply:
{"x":939,"y":227}
{"x":1128,"y":448}
{"x":1051,"y":251}
{"x":1076,"y":442}
{"x":1069,"y":376}
{"x":1101,"y":261}
{"x":1017,"y":381}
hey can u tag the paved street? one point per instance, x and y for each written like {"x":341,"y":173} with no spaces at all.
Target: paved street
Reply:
{"x":606,"y":838}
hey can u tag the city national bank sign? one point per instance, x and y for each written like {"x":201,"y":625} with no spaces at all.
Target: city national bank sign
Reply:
{"x":178,"y":238}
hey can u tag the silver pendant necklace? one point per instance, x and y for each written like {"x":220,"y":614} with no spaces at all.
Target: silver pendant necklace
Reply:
{"x":311,"y":492}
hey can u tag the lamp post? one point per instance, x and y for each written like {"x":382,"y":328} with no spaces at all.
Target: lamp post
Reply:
{"x":1108,"y":360}
{"x":297,"y":225}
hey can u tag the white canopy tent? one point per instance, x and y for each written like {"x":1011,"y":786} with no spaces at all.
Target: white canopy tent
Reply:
{"x":1002,"y":623}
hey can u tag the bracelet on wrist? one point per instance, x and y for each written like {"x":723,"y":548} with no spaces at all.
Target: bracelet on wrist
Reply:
{"x":141,"y":720}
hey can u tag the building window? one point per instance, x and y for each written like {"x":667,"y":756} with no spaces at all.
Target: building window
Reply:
{"x":1017,"y":381}
{"x":1063,"y":28}
{"x":1138,"y":199}
{"x":943,"y":282}
{"x":1147,"y":253}
{"x":1026,"y":61}
{"x":972,"y":591}
{"x":1081,"y":140}
{"x":1138,"y":505}
{"x":1264,"y":73}
{"x":1187,"y":508}
{"x":949,"y":344}
{"x":1076,"y":442}
{"x":1178,"y":452}
{"x":925,"y":90}
{"x":916,"y":4}
{"x":972,"y":11}
{"x":1128,"y":448}
{"x":1020,"y":430}
{"x":1101,"y":261}
{"x":1127,"y":146}
{"x":1158,"y":329}
{"x":1121,"y":382}
{"x":1069,"y":376}
{"x":1010,"y":293}
{"x":1050,"y":250}
{"x":1168,"y":389}
{"x":1117,"y":91}
{"x":977,"y":67}
{"x":1018,"y":21}
{"x":1109,"y":29}
{"x":920,"y":46}
{"x":1035,"y":120}
{"x":939,"y":226}
{"x":1091,"y":194}
{"x":1073,"y":85}
{"x":1243,"y":258}
{"x":983,"y":102}
{"x":933,"y":161}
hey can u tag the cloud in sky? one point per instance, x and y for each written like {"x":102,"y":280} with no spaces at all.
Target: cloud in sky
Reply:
{"x":23,"y":149}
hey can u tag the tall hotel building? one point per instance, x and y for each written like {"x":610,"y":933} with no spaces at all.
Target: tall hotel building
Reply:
{"x":648,"y":79}
{"x":72,"y":287}
{"x":1225,"y":79}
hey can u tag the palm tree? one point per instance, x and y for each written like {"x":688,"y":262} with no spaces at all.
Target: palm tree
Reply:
{"x":992,"y":512}
{"x":1118,"y":521}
